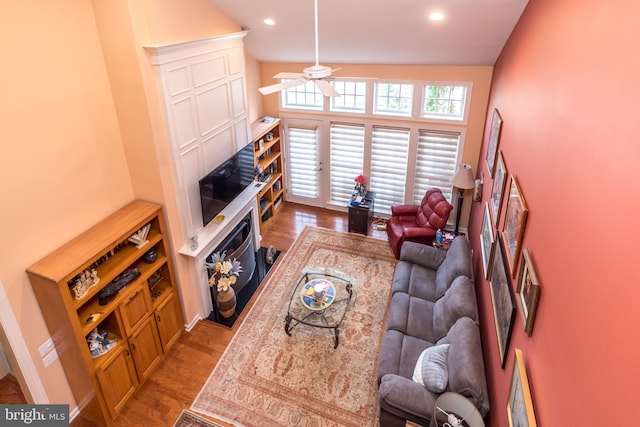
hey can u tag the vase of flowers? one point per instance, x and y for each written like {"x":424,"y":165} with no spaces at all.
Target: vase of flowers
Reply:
{"x":223,"y":274}
{"x":361,"y":185}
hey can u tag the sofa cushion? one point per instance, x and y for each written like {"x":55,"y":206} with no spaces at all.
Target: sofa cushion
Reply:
{"x":399,"y":353}
{"x":411,"y":316}
{"x":456,"y":263}
{"x":431,"y":368}
{"x":458,"y":301}
{"x":415,"y":280}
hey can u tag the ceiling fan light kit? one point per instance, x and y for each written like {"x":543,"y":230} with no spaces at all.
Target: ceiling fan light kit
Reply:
{"x":316,"y":73}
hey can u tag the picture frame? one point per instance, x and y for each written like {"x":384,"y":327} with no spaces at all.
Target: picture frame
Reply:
{"x":504,"y":311}
{"x":497,"y":191}
{"x":515,"y":221}
{"x":487,"y":240}
{"x":527,"y":292}
{"x":494,"y":140}
{"x":519,"y":404}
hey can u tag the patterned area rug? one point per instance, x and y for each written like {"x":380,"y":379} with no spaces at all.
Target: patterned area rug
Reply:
{"x":189,"y":419}
{"x":266,"y":378}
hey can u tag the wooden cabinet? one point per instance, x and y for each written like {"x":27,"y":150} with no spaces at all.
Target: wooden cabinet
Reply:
{"x":134,"y":327}
{"x":267,"y":147}
{"x":361,"y":214}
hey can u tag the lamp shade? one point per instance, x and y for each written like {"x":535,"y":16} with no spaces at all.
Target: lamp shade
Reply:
{"x":463,"y":178}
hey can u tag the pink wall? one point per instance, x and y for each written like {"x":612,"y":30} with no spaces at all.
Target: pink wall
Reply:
{"x":566,"y":87}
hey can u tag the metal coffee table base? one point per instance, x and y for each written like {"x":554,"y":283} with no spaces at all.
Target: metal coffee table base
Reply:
{"x":318,"y":318}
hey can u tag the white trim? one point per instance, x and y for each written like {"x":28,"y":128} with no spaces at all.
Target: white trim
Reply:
{"x":170,"y":52}
{"x":20,"y":350}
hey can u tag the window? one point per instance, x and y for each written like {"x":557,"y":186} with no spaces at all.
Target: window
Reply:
{"x":436,"y":159}
{"x":303,"y":162}
{"x":306,"y":97}
{"x":346,"y":160}
{"x":444,"y":102}
{"x":353,"y":99}
{"x":393,"y":99}
{"x":389,"y":155}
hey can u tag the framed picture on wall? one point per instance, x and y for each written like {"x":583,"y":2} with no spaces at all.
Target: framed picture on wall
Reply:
{"x":515,"y":221}
{"x":527,"y":292}
{"x":519,"y":405}
{"x":499,"y":183}
{"x":488,"y":241}
{"x":504,"y":311}
{"x":494,"y":140}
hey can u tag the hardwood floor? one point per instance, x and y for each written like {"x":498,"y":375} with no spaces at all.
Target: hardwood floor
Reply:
{"x":10,"y":391}
{"x":175,"y":383}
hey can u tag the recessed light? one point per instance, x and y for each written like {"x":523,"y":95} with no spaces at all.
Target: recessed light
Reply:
{"x":436,"y":16}
{"x":270,"y":21}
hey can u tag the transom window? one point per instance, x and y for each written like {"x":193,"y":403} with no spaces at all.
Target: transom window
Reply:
{"x":306,"y":96}
{"x":353,"y":97}
{"x":444,"y":101}
{"x":393,"y":98}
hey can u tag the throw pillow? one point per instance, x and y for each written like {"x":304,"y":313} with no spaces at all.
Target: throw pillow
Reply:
{"x":431,"y":368}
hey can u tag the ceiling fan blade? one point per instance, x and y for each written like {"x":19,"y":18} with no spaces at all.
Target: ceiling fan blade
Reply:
{"x":285,"y":75}
{"x":266,"y":90}
{"x":327,"y":88}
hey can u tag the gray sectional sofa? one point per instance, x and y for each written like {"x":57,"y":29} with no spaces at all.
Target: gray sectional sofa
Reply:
{"x":433,"y":305}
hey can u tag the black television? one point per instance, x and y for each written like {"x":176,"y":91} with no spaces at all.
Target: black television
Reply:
{"x":223,"y":184}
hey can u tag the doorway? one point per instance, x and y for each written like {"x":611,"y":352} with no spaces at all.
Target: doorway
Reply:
{"x":17,"y":354}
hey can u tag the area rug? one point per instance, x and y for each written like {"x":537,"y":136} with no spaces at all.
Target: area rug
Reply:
{"x":267,"y":378}
{"x":189,"y":419}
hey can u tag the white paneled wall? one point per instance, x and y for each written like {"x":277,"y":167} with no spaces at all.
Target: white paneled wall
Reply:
{"x":204,"y":92}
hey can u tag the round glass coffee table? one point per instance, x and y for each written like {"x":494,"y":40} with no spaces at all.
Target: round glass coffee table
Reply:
{"x":319,"y":301}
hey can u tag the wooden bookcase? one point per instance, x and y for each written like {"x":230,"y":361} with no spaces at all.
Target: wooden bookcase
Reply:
{"x":267,"y":147}
{"x":144,"y":316}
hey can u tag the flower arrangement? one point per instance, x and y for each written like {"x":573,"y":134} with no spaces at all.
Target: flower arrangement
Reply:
{"x":361,"y":184}
{"x":224,"y":273}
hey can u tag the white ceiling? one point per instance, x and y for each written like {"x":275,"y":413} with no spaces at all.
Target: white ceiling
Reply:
{"x":376,"y":31}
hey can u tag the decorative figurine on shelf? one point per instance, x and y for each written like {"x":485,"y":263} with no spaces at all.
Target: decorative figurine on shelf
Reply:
{"x":361,"y":185}
{"x":83,"y":282}
{"x":223,"y":274}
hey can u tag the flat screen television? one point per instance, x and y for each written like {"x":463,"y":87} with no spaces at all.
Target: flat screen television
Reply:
{"x":223,"y":184}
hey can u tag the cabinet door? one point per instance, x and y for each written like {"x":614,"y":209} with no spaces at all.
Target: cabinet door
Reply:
{"x":146,"y":348}
{"x":135,"y":308}
{"x":169,"y":322}
{"x":117,"y":379}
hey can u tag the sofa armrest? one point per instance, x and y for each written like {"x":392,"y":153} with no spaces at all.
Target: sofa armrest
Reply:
{"x":406,"y":398}
{"x":404,"y":210}
{"x":424,"y":255}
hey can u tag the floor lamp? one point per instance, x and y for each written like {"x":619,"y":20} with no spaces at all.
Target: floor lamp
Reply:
{"x":462,"y":180}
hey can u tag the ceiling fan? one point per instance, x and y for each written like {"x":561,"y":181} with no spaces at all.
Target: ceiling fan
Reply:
{"x":317,"y":73}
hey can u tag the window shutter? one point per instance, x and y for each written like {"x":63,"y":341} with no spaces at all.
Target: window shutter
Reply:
{"x":435,"y":163}
{"x":389,"y":155}
{"x":346,"y":161}
{"x":303,"y":162}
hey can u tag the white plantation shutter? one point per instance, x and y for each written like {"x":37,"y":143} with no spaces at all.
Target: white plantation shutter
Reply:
{"x":346,"y":160}
{"x":435,"y":163}
{"x":389,"y":155}
{"x":303,"y":162}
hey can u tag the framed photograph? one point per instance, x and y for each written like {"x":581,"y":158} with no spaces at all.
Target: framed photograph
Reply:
{"x":504,"y":311}
{"x":499,"y":182}
{"x":488,"y":241}
{"x":527,"y":292}
{"x":515,"y":221}
{"x":494,"y":140}
{"x":519,"y":405}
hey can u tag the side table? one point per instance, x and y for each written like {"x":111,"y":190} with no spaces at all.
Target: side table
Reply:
{"x":454,"y":404}
{"x":361,"y":214}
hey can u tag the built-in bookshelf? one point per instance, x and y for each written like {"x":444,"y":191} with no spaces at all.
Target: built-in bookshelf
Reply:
{"x":267,"y":147}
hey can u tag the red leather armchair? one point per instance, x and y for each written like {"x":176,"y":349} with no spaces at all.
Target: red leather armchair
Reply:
{"x":418,"y":223}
